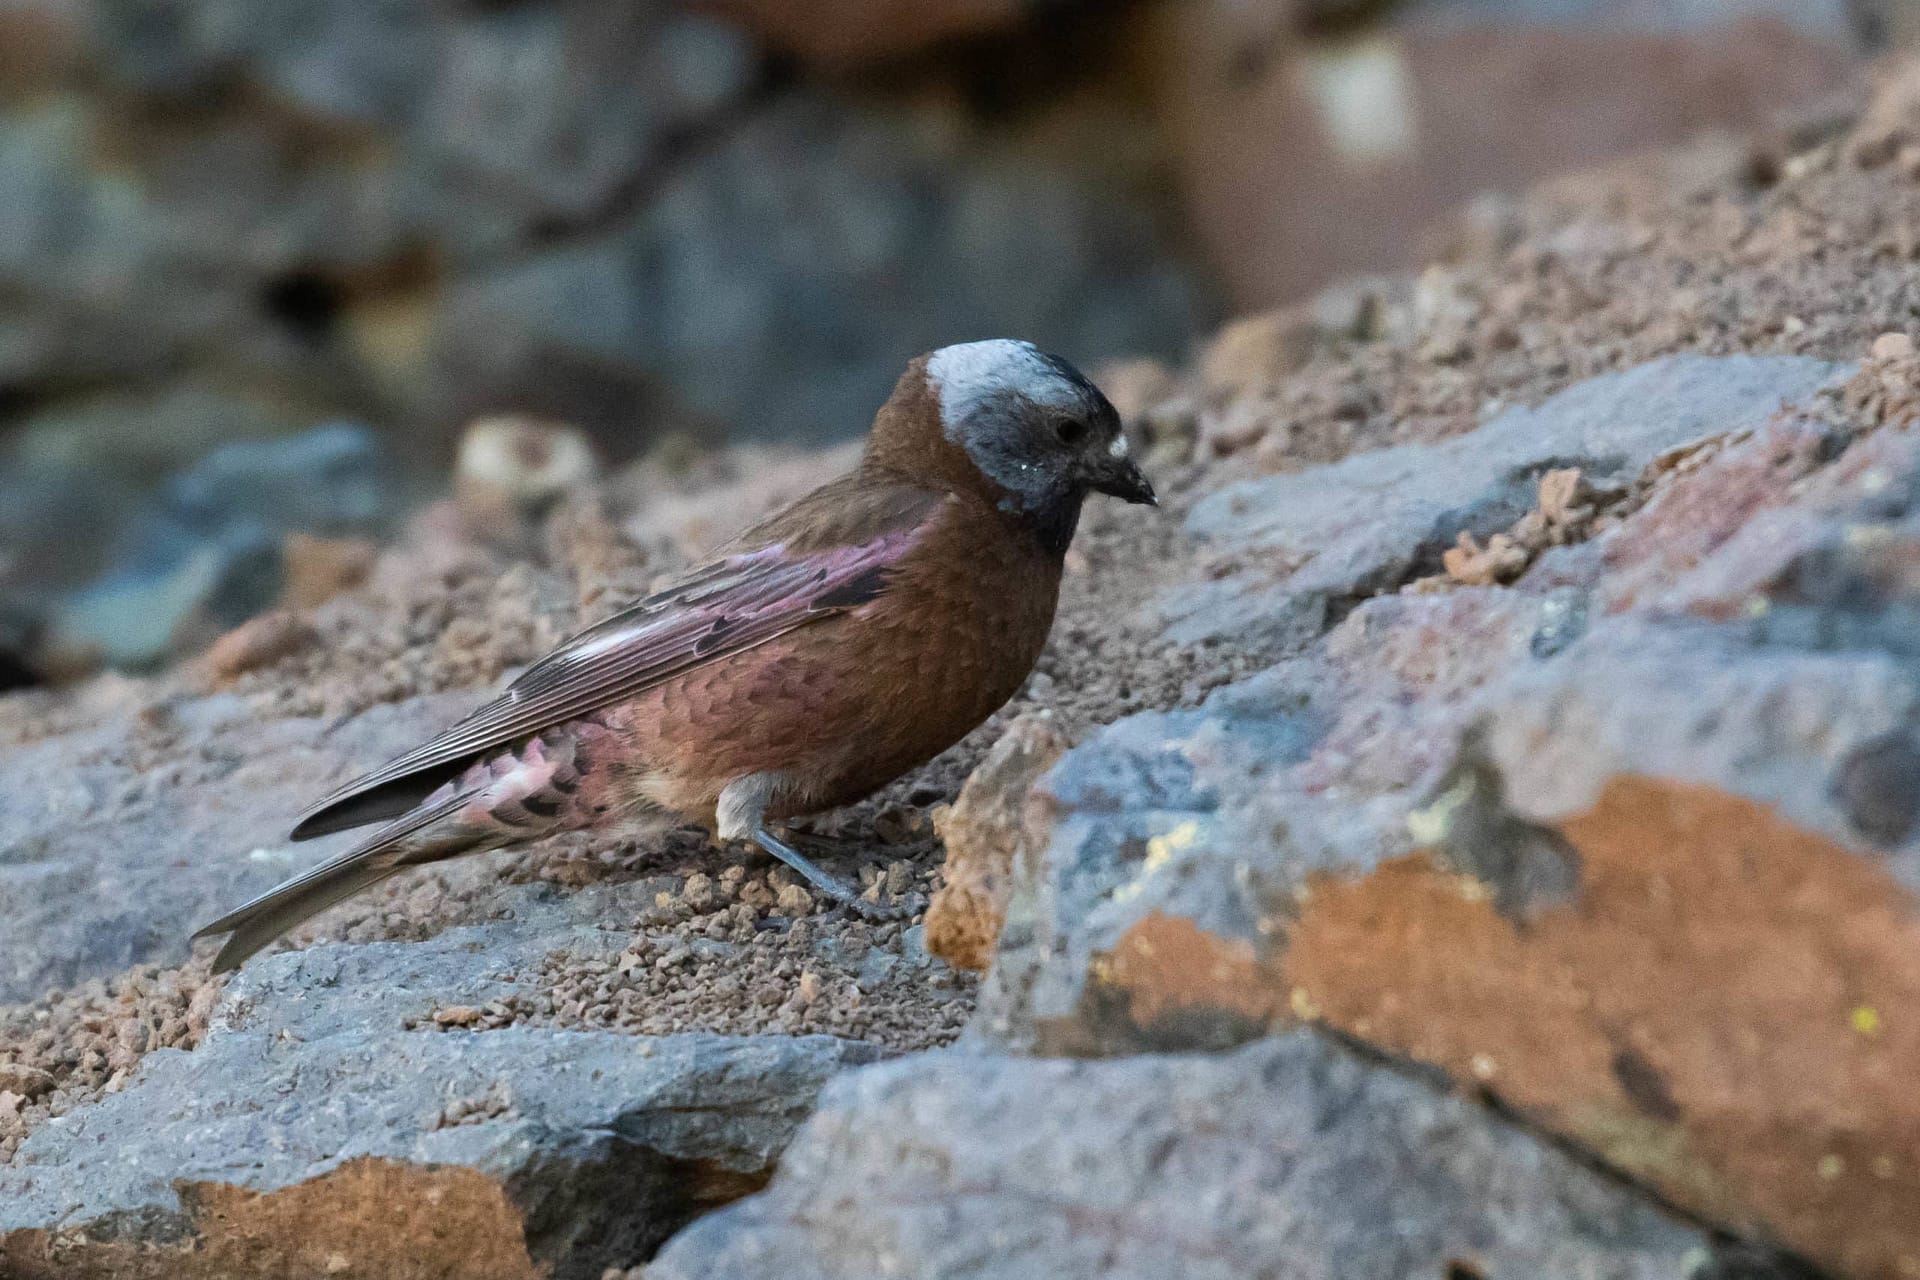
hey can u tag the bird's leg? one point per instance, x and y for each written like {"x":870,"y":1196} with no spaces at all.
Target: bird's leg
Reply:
{"x":819,"y":843}
{"x":742,"y":816}
{"x":834,"y":888}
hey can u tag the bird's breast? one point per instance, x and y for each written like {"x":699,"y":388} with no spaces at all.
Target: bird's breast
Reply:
{"x":845,"y":705}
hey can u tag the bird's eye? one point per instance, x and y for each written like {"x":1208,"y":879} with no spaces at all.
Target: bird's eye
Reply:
{"x":1070,"y":431}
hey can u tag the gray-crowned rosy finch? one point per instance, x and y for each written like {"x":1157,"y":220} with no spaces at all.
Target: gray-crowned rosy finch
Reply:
{"x":817,"y":657}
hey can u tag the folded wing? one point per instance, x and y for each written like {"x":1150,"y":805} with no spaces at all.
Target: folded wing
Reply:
{"x":724,"y":607}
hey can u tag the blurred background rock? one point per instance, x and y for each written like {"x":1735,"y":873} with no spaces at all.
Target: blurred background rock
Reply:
{"x":259,"y":264}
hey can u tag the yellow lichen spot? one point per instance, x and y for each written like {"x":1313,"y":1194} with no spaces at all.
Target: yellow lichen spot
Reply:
{"x":1484,"y":1067}
{"x":1831,"y":1167}
{"x":1429,"y":826}
{"x":1160,"y":849}
{"x":1302,"y":1005}
{"x":1865,"y":1020}
{"x":1472,"y":890}
{"x":1757,"y":606}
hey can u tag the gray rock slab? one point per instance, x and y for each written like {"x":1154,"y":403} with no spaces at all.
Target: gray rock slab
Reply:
{"x":1313,"y":542}
{"x":1700,"y":705}
{"x":119,"y":838}
{"x":323,"y":1060}
{"x":1285,"y":1158}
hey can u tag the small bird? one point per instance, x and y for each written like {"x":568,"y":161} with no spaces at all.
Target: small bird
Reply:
{"x":818,"y":656}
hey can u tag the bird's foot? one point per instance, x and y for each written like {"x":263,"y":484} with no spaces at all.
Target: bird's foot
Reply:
{"x":833,"y":887}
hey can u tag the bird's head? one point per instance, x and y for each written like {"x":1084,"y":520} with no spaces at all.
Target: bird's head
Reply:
{"x":1028,"y":424}
{"x":1032,"y":423}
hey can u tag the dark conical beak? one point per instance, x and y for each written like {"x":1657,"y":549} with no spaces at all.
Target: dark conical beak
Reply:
{"x":1121,"y":478}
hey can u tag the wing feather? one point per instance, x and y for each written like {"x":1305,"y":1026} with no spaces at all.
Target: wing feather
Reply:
{"x":724,"y":607}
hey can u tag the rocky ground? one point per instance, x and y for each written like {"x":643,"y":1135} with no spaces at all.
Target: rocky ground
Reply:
{"x":251,"y":270}
{"x":1484,"y":844}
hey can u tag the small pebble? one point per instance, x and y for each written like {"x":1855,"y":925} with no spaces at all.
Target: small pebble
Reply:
{"x":1892,"y":346}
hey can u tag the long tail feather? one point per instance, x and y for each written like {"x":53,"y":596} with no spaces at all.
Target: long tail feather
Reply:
{"x":426,"y":835}
{"x":260,"y":922}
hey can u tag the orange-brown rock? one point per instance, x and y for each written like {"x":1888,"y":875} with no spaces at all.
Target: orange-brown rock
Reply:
{"x":369,"y":1219}
{"x":318,"y":569}
{"x":1168,"y":982}
{"x":258,"y":642}
{"x":1723,"y":1007}
{"x":1726,"y":1010}
{"x":985,"y":832}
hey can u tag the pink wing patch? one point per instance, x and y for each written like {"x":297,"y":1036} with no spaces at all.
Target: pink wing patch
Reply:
{"x":722,"y":608}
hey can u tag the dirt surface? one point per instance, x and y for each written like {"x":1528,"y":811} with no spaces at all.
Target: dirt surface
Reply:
{"x":1778,"y":246}
{"x":73,"y":1046}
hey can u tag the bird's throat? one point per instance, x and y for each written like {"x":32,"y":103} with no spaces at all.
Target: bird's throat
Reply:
{"x":1052,"y":523}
